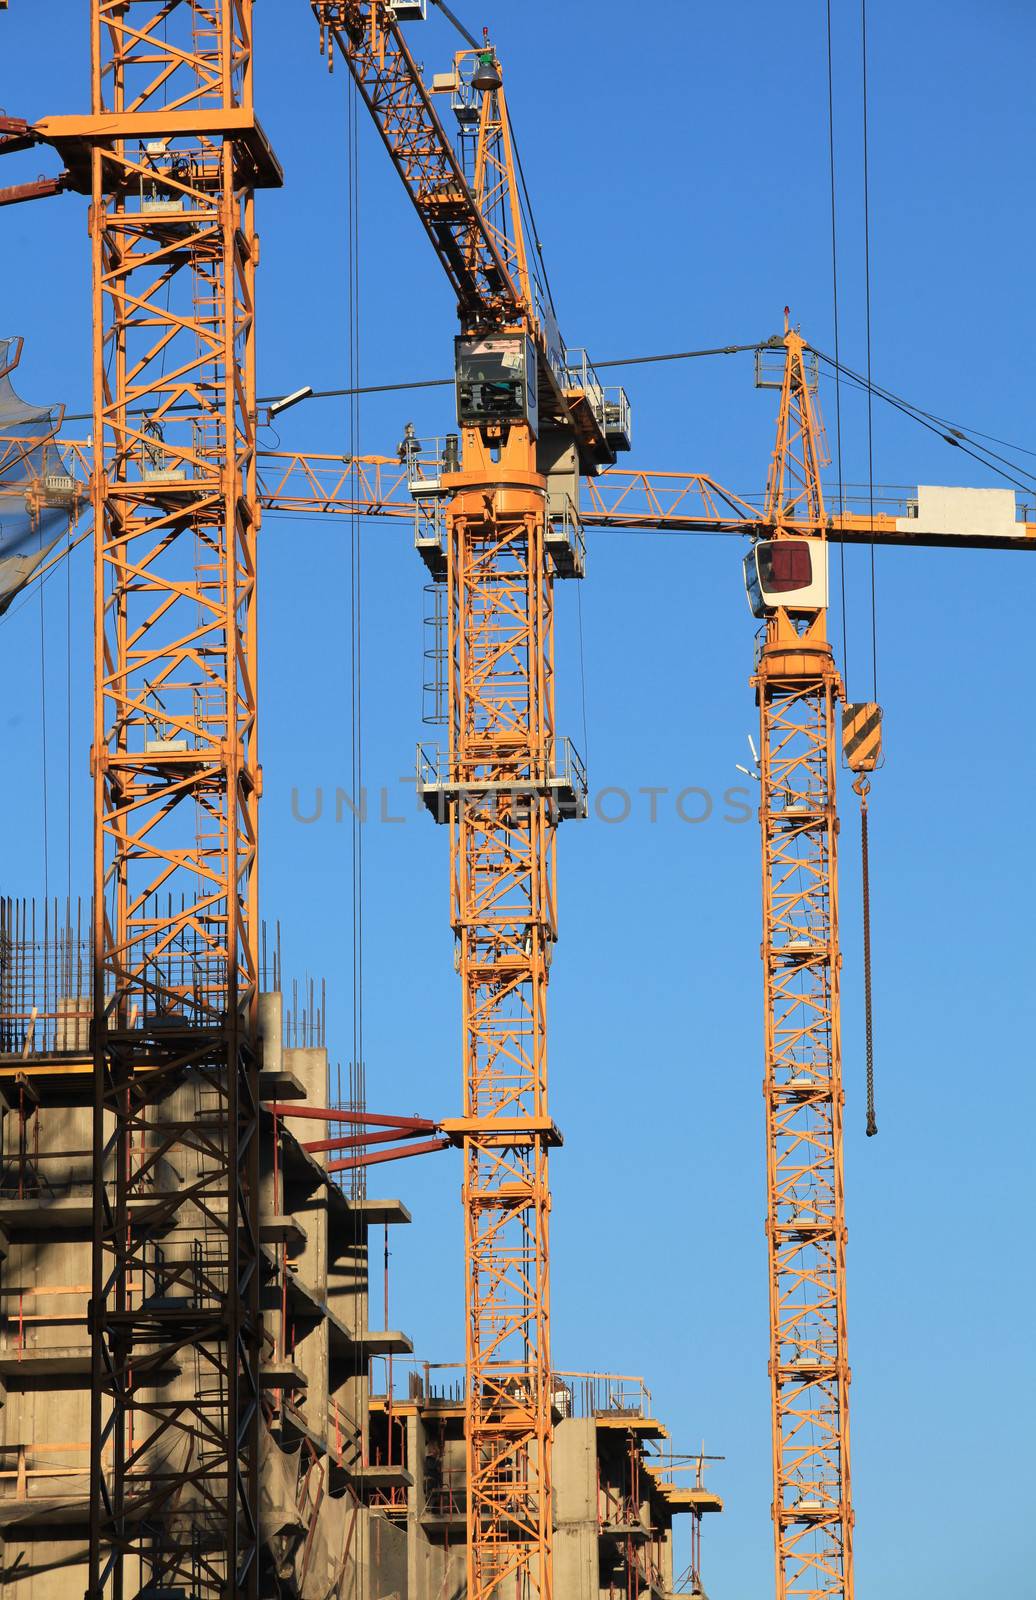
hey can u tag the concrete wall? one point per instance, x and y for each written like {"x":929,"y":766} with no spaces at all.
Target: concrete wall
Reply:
{"x":44,"y":1346}
{"x":575,"y":1509}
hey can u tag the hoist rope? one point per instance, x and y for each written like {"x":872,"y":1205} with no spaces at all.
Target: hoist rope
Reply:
{"x":959,"y":436}
{"x":45,"y":748}
{"x":582,"y":670}
{"x":355,"y":577}
{"x":68,"y":724}
{"x":534,"y":227}
{"x":862,"y":788}
{"x":870,"y":385}
{"x":447,"y":383}
{"x":834,"y":299}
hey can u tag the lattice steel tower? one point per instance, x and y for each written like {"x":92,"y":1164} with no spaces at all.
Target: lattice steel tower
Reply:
{"x":503,"y":817}
{"x":798,"y":689}
{"x":531,"y":419}
{"x":171,"y":154}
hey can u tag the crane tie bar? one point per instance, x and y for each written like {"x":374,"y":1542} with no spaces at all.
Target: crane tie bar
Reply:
{"x":862,"y":788}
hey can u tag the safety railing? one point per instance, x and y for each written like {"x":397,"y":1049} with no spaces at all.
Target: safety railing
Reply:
{"x":597,"y":1394}
{"x":574,"y":1394}
{"x":617,"y":417}
{"x":20,"y":1480}
{"x":580,"y":374}
{"x":424,"y":460}
{"x":437,"y":770}
{"x":771,"y":364}
{"x":610,"y":405}
{"x":566,"y":537}
{"x":445,"y":1494}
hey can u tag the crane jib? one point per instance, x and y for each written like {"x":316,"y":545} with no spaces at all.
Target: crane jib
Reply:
{"x":390,"y":83}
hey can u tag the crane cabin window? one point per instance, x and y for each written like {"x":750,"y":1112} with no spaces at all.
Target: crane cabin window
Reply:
{"x":784,"y":565}
{"x":786,"y":572}
{"x":496,"y":381}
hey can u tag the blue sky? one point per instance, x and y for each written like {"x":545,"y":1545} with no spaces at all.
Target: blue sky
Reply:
{"x":679,"y":172}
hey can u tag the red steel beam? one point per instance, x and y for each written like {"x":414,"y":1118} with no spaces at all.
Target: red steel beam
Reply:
{"x":353,"y":1141}
{"x":16,"y":134}
{"x":39,"y":189}
{"x":389,"y":1155}
{"x":331,"y":1114}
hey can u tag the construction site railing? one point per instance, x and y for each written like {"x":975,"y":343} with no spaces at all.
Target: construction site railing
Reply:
{"x":575,"y":1394}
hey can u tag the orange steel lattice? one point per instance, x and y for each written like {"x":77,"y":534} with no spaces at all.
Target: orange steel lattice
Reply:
{"x":302,"y":482}
{"x":798,"y":689}
{"x":495,"y":191}
{"x":390,"y":82}
{"x":503,"y":817}
{"x":504,"y":809}
{"x":618,"y":498}
{"x":170,"y":154}
{"x":497,"y":787}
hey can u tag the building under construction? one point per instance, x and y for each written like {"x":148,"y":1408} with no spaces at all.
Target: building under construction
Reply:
{"x":198,"y":1398}
{"x":360,"y":1492}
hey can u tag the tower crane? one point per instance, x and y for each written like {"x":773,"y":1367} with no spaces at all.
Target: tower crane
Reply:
{"x":798,"y":690}
{"x":171,"y":154}
{"x":532,"y":417}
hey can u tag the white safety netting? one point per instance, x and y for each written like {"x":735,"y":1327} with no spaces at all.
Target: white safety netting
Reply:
{"x":310,"y":1534}
{"x":38,"y":493}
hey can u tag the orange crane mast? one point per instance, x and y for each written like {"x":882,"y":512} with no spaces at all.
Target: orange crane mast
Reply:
{"x":170,"y":155}
{"x":527,"y":426}
{"x":798,"y":689}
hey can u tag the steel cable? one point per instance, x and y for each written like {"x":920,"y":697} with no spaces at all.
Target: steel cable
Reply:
{"x":870,"y":384}
{"x":834,"y":299}
{"x":862,"y":788}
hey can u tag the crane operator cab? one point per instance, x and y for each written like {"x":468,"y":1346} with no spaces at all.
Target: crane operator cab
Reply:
{"x":788,"y":573}
{"x":496,"y":381}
